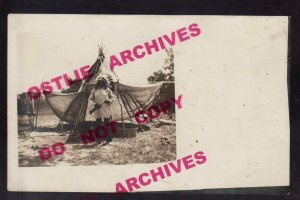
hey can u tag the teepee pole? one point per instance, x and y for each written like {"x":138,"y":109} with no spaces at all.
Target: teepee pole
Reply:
{"x":37,"y":112}
{"x":144,"y":109}
{"x":78,"y":116}
{"x":123,"y":125}
{"x":72,"y":135}
{"x":126,"y":107}
{"x":132,"y":110}
{"x":139,"y":108}
{"x":128,"y":104}
{"x":37,"y":109}
{"x":121,"y":94}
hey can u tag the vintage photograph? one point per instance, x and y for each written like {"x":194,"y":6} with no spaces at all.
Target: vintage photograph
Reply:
{"x":97,"y":99}
{"x":98,"y":120}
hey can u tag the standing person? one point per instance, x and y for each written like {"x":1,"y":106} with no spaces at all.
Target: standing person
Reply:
{"x":102,"y":97}
{"x":26,"y":107}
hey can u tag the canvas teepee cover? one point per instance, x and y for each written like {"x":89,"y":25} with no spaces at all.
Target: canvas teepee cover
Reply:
{"x":75,"y":107}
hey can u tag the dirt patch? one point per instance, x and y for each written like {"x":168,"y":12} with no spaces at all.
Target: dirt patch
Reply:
{"x":152,"y":146}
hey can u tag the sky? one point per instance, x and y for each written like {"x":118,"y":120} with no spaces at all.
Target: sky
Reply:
{"x":46,"y":46}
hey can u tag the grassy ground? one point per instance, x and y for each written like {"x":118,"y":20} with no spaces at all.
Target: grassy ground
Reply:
{"x":153,"y":146}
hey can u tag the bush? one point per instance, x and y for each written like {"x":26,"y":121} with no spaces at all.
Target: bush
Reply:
{"x":167,"y":71}
{"x":165,"y":74}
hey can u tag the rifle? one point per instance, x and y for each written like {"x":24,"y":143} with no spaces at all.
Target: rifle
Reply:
{"x":96,"y":107}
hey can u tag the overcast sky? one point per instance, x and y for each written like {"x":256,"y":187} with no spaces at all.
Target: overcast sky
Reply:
{"x":50,"y":45}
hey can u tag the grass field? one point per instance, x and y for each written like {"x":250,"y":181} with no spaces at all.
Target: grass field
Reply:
{"x":152,"y":146}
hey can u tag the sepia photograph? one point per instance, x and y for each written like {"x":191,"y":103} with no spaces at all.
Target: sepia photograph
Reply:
{"x":136,"y":103}
{"x":141,"y":120}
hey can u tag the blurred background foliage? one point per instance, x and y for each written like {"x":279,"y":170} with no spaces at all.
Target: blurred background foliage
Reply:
{"x":166,"y":75}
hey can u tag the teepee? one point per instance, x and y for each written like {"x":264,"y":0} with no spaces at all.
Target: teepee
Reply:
{"x":74,"y":107}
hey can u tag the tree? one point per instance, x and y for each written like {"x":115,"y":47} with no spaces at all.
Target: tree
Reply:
{"x":167,"y":71}
{"x":165,"y":74}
